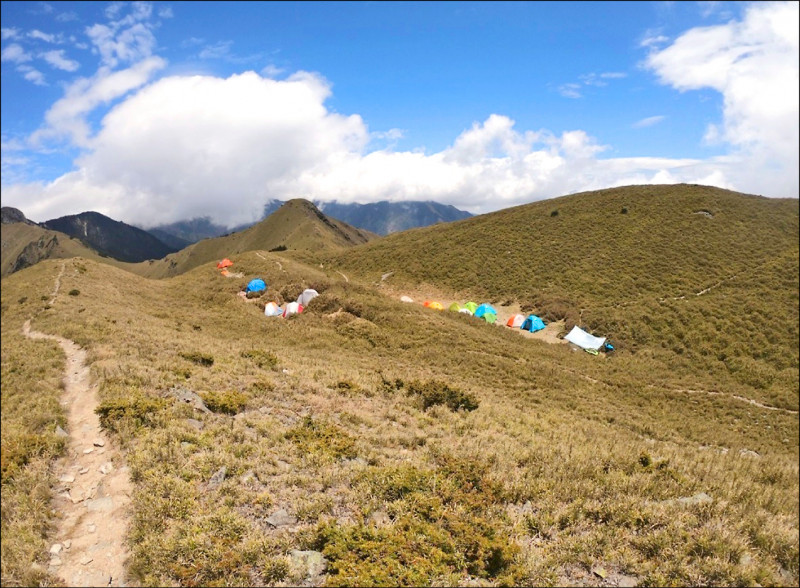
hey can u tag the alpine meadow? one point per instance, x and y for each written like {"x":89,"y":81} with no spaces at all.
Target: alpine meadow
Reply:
{"x":370,"y":441}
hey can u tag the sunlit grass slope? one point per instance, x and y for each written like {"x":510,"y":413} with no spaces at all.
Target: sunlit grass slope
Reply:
{"x":702,"y":278}
{"x":296,"y":226}
{"x":37,"y":243}
{"x":410,"y":446}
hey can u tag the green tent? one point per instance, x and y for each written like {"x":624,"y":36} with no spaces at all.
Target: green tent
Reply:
{"x":455,"y":307}
{"x":471,"y":306}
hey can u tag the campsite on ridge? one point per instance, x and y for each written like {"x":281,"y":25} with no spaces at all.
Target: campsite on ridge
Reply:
{"x":368,"y":440}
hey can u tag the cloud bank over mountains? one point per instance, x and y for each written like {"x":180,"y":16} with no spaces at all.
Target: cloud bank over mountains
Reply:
{"x":182,"y":146}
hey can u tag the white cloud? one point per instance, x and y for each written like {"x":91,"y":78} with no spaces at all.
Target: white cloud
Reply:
{"x":570,"y":90}
{"x":217,"y":50}
{"x":32,"y":74}
{"x":57,"y":60}
{"x":272,"y":71}
{"x":66,"y":118}
{"x":754,"y":65}
{"x":46,"y":37}
{"x":194,"y":146}
{"x":15,"y":53}
{"x":9,"y":33}
{"x":648,"y":122}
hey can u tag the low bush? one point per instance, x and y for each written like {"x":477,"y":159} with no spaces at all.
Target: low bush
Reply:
{"x":138,"y":410}
{"x":435,"y":392}
{"x":263,"y":359}
{"x":228,"y":402}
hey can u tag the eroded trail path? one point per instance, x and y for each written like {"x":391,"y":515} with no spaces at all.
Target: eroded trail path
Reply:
{"x":94,"y":491}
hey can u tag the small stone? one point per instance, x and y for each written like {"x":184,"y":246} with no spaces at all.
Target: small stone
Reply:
{"x":99,"y":443}
{"x":748,"y":453}
{"x":281,"y":518}
{"x":599,"y":572}
{"x":83,"y":470}
{"x":106,"y":468}
{"x":86,"y":560}
{"x":67,"y":478}
{"x":67,"y":544}
{"x":87,"y":451}
{"x":217,"y":478}
{"x":310,"y":564}
{"x":195,"y":424}
{"x":92,"y":528}
{"x":55,"y":548}
{"x":61,"y":432}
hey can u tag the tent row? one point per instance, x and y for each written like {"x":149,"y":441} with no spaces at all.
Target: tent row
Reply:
{"x":296,"y":307}
{"x":484,"y":311}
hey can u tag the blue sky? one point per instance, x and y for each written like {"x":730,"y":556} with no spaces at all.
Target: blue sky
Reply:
{"x":152,"y":112}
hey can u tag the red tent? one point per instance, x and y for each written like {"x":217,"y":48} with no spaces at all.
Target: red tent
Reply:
{"x":224,"y":263}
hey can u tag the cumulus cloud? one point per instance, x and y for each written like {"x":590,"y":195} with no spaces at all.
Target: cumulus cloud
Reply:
{"x":193,"y":146}
{"x":754,"y":65}
{"x":188,"y":146}
{"x":59,"y":61}
{"x":15,"y":53}
{"x":648,"y":122}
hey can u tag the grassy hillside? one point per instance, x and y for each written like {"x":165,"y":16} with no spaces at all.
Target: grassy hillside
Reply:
{"x":703,"y":279}
{"x":26,"y":244}
{"x":410,"y":446}
{"x":297,"y":226}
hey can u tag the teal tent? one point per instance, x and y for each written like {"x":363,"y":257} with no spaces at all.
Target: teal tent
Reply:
{"x":256,"y":285}
{"x":486,"y":312}
{"x":533,"y":323}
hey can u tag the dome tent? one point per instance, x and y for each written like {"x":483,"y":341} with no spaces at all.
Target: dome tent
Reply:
{"x":272,"y":309}
{"x":256,"y":285}
{"x":292,"y":308}
{"x":533,"y":323}
{"x":224,"y":263}
{"x":515,"y":321}
{"x":486,"y":312}
{"x":307,"y":296}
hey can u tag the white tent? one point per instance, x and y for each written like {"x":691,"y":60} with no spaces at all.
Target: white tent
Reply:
{"x":406,"y":299}
{"x":292,"y":308}
{"x":307,"y":296}
{"x":584,"y":340}
{"x":272,"y":309}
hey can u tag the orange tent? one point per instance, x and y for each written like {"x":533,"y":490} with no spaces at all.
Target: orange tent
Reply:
{"x":515,"y":321}
{"x":433,"y":304}
{"x":224,"y":263}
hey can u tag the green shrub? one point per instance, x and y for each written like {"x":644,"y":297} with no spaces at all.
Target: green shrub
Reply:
{"x":18,"y":449}
{"x":434,"y":392}
{"x":137,"y":410}
{"x":263,"y":359}
{"x":74,"y":292}
{"x":319,"y":438}
{"x":228,"y":402}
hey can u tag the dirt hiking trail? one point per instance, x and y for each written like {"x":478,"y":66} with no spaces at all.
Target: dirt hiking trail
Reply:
{"x":93,"y":493}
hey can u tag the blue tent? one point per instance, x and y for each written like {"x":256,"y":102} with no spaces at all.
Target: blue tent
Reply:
{"x":256,"y":285}
{"x":484,"y":309}
{"x":533,"y":323}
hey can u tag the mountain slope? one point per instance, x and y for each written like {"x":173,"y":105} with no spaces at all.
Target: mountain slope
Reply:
{"x":297,"y":226}
{"x":25,"y":244}
{"x":339,"y":431}
{"x":682,"y":271}
{"x":391,"y":217}
{"x":110,"y":237}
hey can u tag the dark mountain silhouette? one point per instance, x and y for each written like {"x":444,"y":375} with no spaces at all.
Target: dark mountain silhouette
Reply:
{"x":111,"y":238}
